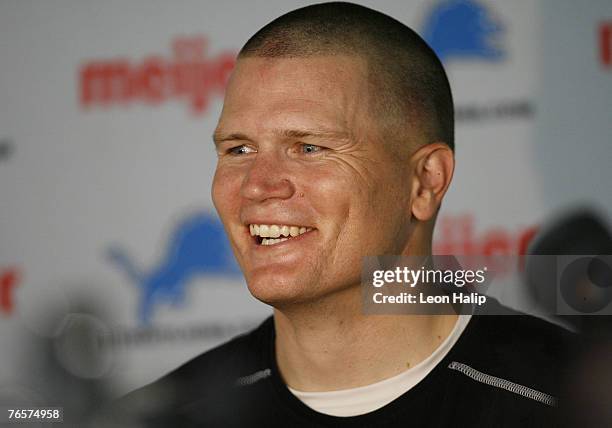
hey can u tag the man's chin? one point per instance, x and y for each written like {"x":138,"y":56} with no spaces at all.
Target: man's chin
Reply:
{"x":279,"y":292}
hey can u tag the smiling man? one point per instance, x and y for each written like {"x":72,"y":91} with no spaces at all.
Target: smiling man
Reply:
{"x":336,"y":142}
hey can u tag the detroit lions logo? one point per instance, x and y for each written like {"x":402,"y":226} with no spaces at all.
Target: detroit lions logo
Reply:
{"x":463,"y":29}
{"x":198,"y":246}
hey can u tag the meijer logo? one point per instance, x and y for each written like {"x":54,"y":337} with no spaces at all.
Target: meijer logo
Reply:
{"x":605,"y":44}
{"x":188,"y":75}
{"x":457,"y":235}
{"x":8,"y":280}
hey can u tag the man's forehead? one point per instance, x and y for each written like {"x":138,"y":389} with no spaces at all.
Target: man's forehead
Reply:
{"x":325,"y":71}
{"x":298,"y":93}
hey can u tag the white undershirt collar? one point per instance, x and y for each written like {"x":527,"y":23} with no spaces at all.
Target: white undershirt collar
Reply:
{"x":365,"y":399}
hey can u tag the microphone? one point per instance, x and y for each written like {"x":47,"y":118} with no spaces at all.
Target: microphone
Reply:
{"x":585,"y":284}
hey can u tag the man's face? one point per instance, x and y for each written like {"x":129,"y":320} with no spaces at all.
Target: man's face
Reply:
{"x":299,"y":149}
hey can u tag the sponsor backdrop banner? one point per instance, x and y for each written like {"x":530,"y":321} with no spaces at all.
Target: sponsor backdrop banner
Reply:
{"x":114,"y":267}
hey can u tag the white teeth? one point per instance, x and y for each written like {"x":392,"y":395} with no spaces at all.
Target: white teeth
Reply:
{"x":266,"y":241}
{"x":272,"y":231}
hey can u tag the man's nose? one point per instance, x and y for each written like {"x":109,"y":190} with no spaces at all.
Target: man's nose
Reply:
{"x":267,"y":178}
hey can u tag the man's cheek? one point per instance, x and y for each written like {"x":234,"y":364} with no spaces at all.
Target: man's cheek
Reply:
{"x":224,"y":207}
{"x":215,"y":189}
{"x":223,"y":194}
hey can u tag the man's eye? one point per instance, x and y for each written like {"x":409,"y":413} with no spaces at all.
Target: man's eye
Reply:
{"x":310,"y":148}
{"x":240,"y":150}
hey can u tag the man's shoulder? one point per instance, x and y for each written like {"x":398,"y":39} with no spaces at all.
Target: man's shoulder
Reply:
{"x":522,"y":349}
{"x":242,"y":352}
{"x":207,"y":377}
{"x":520,"y":333}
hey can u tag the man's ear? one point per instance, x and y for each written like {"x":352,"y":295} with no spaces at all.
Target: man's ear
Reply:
{"x":432,"y":171}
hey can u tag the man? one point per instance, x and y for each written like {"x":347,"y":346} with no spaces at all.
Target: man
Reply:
{"x":336,"y":142}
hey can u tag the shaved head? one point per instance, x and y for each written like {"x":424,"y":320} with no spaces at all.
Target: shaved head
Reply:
{"x":410,"y":94}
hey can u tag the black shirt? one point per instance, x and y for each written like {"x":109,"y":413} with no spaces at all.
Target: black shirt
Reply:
{"x":504,"y":371}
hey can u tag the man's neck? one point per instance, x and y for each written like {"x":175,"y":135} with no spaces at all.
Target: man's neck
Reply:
{"x":332,"y":345}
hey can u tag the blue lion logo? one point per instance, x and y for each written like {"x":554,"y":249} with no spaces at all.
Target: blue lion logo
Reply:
{"x":198,"y":246}
{"x":463,"y":28}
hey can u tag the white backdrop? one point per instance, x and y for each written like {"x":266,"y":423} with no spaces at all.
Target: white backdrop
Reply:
{"x":103,"y":193}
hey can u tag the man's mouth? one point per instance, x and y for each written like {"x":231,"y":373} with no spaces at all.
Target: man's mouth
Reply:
{"x":271,"y":234}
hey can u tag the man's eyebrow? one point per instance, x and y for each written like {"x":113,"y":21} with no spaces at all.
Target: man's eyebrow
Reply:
{"x":315,"y":133}
{"x":219,"y":137}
